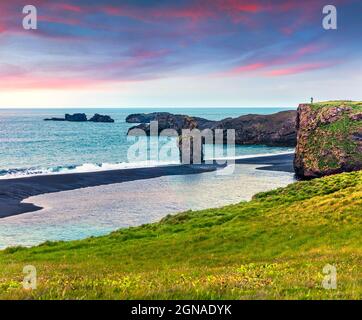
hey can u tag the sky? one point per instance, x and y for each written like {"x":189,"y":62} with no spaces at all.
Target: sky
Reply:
{"x":186,"y":53}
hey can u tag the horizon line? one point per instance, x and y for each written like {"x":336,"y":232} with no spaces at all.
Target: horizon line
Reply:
{"x":148,"y":107}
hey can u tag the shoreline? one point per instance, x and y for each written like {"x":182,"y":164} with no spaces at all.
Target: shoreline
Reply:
{"x":14,"y":191}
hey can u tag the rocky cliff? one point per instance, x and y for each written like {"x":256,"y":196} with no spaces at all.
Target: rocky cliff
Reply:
{"x":277,"y":129}
{"x":329,"y":138}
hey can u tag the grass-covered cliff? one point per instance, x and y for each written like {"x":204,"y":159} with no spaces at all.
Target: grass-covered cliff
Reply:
{"x":329,"y":138}
{"x":272,"y":247}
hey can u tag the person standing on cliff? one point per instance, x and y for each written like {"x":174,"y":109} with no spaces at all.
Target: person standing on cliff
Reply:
{"x":311,"y":100}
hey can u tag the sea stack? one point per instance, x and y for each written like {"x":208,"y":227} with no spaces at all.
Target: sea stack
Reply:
{"x":82,"y":117}
{"x":100,"y":118}
{"x":77,"y":117}
{"x":190,"y":143}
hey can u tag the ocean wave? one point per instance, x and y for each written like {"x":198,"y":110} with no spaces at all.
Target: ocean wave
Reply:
{"x":86,"y":167}
{"x":90,"y":167}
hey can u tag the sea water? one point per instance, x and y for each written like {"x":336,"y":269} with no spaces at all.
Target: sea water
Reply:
{"x":31,"y":146}
{"x":95,"y":211}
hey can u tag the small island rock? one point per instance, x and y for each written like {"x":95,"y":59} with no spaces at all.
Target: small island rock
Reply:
{"x":101,"y":118}
{"x":82,"y":117}
{"x":76,"y":117}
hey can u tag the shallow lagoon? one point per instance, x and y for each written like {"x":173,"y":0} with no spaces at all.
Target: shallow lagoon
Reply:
{"x":95,"y":211}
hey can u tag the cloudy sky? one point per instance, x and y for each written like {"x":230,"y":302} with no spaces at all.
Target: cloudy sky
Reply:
{"x":202,"y":53}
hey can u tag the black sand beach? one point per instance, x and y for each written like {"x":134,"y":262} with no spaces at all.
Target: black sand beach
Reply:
{"x":283,"y":162}
{"x":14,"y":191}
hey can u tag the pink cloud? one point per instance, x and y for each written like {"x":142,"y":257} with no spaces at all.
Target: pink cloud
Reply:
{"x":37,"y":82}
{"x":81,"y":77}
{"x":68,"y":7}
{"x":150,"y":54}
{"x":196,"y":11}
{"x":115,"y":11}
{"x":241,"y":6}
{"x":2,"y":27}
{"x":296,"y":69}
{"x":244,"y":68}
{"x":260,"y":64}
{"x":298,"y":54}
{"x":59,"y":19}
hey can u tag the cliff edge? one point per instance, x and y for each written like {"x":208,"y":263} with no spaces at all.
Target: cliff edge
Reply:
{"x":329,"y":138}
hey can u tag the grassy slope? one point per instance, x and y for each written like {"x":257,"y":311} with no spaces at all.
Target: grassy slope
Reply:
{"x":272,"y":247}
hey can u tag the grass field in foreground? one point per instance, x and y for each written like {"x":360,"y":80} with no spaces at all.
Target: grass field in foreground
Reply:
{"x":273,"y":247}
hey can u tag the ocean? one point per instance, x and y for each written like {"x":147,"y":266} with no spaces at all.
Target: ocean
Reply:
{"x":31,"y":146}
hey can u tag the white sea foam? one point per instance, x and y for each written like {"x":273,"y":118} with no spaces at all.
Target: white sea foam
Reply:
{"x":90,"y":167}
{"x":86,"y":167}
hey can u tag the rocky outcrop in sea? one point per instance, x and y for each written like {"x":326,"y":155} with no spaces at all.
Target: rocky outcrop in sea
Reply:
{"x":82,"y":117}
{"x":100,"y":118}
{"x":77,"y":117}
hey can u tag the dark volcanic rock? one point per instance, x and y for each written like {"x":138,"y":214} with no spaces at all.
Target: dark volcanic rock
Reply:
{"x":191,"y":149}
{"x":166,"y":120}
{"x":76,"y":117}
{"x":329,"y":139}
{"x":101,"y":118}
{"x":277,"y":129}
{"x":274,"y":130}
{"x":145,"y":117}
{"x":81,"y":117}
{"x":191,"y":145}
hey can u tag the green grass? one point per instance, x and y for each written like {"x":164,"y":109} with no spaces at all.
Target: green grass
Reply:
{"x":329,"y":142}
{"x":273,"y":247}
{"x":336,"y":103}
